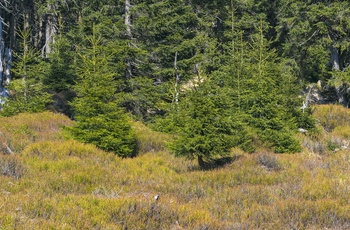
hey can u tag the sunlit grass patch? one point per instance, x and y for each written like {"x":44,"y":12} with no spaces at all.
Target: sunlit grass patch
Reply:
{"x":62,"y":149}
{"x":342,"y":131}
{"x":332,"y":116}
{"x":19,"y":131}
{"x":149,"y":140}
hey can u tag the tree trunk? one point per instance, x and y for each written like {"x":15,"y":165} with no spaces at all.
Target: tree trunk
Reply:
{"x":127,"y":23}
{"x":2,"y":47}
{"x":5,"y":65}
{"x":50,"y":29}
{"x":13,"y":25}
{"x":335,"y":58}
{"x":201,"y":162}
{"x":177,"y":80}
{"x":128,"y":19}
{"x":339,"y":90}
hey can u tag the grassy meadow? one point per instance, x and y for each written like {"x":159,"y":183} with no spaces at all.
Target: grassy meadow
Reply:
{"x":50,"y":182}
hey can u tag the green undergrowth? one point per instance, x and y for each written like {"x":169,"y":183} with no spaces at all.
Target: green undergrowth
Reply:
{"x":63,"y":184}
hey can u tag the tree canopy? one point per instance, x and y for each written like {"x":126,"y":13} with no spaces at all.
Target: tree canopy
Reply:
{"x":207,"y":71}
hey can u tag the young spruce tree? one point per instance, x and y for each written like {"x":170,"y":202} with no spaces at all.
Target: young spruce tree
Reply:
{"x":99,"y":120}
{"x":27,"y":90}
{"x":208,"y":130}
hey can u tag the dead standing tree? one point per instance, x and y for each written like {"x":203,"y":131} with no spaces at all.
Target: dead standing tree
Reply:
{"x":5,"y":66}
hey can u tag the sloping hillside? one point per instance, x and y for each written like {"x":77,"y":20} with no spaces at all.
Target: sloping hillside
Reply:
{"x":52,"y":183}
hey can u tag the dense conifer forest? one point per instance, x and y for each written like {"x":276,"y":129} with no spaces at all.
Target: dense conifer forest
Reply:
{"x":216,"y":74}
{"x":120,"y":100}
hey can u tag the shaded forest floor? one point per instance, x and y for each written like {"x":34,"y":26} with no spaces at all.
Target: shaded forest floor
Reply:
{"x":49,"y":182}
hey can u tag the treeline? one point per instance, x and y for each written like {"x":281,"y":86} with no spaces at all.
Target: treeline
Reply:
{"x":218,"y":74}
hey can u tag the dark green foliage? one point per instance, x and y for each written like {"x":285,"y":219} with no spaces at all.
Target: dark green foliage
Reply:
{"x":99,"y":120}
{"x":208,"y":129}
{"x":34,"y":103}
{"x":311,"y":31}
{"x":60,"y":75}
{"x":251,"y":101}
{"x":256,"y":56}
{"x":264,"y":88}
{"x":110,"y":132}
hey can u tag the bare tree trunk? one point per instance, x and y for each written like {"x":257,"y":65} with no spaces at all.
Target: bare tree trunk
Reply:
{"x":176,"y":86}
{"x":5,"y":65}
{"x":50,"y":29}
{"x":128,"y":18}
{"x":127,"y":23}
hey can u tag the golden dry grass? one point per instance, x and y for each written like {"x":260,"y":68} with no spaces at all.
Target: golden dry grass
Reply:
{"x":64,"y":184}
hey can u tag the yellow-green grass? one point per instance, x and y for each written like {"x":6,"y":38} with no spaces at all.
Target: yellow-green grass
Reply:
{"x":148,"y":140}
{"x":18,"y":131}
{"x":64,"y":184}
{"x":332,"y":116}
{"x":333,"y":130}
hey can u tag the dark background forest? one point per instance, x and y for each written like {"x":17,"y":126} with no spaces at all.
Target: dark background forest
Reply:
{"x":216,"y":74}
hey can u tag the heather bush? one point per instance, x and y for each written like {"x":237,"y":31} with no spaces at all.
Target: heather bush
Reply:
{"x":11,"y":165}
{"x":269,"y":161}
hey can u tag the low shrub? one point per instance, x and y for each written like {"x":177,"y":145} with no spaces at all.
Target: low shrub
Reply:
{"x":11,"y":165}
{"x":269,"y":161}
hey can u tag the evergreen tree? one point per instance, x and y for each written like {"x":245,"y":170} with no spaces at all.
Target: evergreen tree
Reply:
{"x":27,"y":90}
{"x":160,"y":31}
{"x":208,"y":130}
{"x":264,"y":89}
{"x":99,"y":120}
{"x":60,"y":75}
{"x":269,"y":99}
